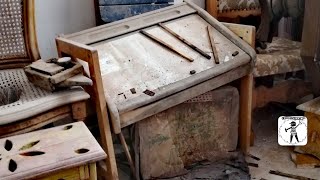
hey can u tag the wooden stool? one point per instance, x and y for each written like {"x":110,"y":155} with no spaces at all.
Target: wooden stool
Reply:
{"x":64,"y":152}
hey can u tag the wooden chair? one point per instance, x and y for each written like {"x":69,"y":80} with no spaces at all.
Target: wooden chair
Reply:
{"x":280,"y":57}
{"x":25,"y":107}
{"x":233,"y":8}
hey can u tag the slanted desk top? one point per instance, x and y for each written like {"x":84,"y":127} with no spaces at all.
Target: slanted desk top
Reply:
{"x":131,"y":63}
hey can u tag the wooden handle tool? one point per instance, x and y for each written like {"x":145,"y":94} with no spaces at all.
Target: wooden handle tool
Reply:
{"x":213,"y":46}
{"x":164,"y":44}
{"x":185,"y":41}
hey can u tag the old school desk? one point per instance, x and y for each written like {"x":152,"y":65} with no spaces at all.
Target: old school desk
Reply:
{"x":123,"y":64}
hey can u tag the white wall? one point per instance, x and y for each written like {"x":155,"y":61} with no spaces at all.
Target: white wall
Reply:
{"x":54,"y":17}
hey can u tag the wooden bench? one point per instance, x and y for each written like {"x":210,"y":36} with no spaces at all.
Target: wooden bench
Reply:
{"x":65,"y":152}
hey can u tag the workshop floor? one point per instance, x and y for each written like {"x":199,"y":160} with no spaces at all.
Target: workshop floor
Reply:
{"x":273,"y":156}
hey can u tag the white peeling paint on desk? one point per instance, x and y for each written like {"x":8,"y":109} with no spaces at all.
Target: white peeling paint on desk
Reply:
{"x":143,"y":64}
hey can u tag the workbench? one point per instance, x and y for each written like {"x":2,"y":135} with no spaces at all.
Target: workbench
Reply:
{"x":135,"y":78}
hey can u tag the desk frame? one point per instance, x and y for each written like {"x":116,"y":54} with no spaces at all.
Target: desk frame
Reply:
{"x":77,"y":46}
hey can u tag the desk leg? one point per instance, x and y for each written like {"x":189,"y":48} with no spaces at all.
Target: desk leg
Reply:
{"x":246,"y":88}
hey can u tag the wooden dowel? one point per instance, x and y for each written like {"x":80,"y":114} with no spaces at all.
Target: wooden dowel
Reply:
{"x":164,"y":44}
{"x":127,"y":152}
{"x":289,"y":175}
{"x":185,"y":41}
{"x":213,"y":45}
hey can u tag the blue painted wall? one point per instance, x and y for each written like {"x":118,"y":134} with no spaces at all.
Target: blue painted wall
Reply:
{"x":126,"y":2}
{"x":114,"y":10}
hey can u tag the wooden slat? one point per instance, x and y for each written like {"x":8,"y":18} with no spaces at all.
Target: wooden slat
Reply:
{"x":118,"y":2}
{"x":245,"y":32}
{"x":90,"y":55}
{"x":246,"y":88}
{"x":173,"y":100}
{"x":30,"y":122}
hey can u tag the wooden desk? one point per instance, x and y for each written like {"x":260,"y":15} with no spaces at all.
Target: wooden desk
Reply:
{"x":120,"y":59}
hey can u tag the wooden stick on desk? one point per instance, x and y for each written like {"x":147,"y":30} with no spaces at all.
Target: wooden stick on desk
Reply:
{"x":185,"y":41}
{"x":213,"y":46}
{"x":164,"y":44}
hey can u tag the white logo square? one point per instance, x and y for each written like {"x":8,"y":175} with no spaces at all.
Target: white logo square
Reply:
{"x":292,"y":131}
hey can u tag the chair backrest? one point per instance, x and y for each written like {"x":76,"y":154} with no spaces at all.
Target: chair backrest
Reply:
{"x":233,"y":8}
{"x":18,"y":42}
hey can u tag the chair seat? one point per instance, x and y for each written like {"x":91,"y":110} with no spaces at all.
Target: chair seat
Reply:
{"x":280,"y":56}
{"x":33,"y":100}
{"x":228,"y":5}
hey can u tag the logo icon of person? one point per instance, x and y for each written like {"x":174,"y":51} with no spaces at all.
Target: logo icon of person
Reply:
{"x":292,"y":130}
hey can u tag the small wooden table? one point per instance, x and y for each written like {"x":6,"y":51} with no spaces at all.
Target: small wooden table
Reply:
{"x":124,"y":64}
{"x":68,"y":152}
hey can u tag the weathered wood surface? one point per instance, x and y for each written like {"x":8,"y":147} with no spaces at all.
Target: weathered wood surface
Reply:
{"x":312,"y":106}
{"x":173,"y":100}
{"x":41,"y":105}
{"x":188,"y":133}
{"x":118,"y":2}
{"x":185,"y":41}
{"x":47,"y":68}
{"x":90,"y":56}
{"x":305,"y":161}
{"x":47,"y":151}
{"x":34,"y":123}
{"x":118,"y":12}
{"x":48,"y":79}
{"x":245,"y":32}
{"x":143,"y":66}
{"x":77,"y":80}
{"x":313,"y":145}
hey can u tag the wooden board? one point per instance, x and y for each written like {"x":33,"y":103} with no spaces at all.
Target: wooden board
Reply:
{"x":313,"y":145}
{"x":41,"y":152}
{"x":47,"y":68}
{"x":245,"y":32}
{"x":312,"y":106}
{"x":143,"y":64}
{"x":305,"y":161}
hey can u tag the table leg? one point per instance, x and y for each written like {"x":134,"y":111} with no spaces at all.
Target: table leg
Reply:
{"x":246,"y":88}
{"x":93,"y":171}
